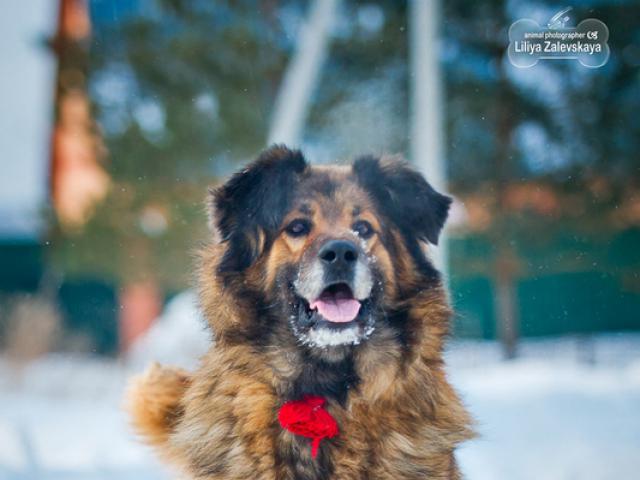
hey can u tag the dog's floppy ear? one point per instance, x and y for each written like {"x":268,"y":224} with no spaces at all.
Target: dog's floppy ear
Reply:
{"x":404,"y":196}
{"x":251,"y":205}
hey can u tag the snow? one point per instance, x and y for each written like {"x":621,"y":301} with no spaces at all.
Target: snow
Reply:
{"x":178,"y":337}
{"x":566,"y":409}
{"x":552,"y":416}
{"x":61,"y":419}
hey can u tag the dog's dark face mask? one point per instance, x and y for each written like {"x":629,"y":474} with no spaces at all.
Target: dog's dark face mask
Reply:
{"x":332,"y":250}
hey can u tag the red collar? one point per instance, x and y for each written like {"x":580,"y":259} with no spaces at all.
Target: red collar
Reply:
{"x":308,"y":418}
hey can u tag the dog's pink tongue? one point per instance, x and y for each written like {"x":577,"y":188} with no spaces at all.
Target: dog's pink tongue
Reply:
{"x":338,"y":310}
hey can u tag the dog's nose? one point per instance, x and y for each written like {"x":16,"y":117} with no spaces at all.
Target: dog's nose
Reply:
{"x":338,"y":252}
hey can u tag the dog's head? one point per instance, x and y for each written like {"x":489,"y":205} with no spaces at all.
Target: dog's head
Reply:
{"x":326,"y":254}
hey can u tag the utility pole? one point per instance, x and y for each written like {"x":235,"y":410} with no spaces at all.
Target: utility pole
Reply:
{"x":302,"y":74}
{"x":427,"y":133}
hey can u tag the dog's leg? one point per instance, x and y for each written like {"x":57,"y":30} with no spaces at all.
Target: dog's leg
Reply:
{"x":153,"y":400}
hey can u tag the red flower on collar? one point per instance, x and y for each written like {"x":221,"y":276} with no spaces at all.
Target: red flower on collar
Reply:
{"x":308,"y":418}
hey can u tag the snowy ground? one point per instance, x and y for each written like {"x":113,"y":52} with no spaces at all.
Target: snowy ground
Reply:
{"x":566,"y":409}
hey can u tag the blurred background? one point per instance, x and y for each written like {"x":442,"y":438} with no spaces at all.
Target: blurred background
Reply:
{"x":118,"y":114}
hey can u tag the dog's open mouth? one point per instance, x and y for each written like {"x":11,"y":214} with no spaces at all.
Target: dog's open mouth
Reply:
{"x":334,"y":318}
{"x":336,"y":304}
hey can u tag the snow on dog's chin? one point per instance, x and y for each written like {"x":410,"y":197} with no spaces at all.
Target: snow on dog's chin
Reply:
{"x":330,"y":337}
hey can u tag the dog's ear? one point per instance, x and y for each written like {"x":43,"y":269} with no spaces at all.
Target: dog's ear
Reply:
{"x":249,"y":208}
{"x":404,"y":196}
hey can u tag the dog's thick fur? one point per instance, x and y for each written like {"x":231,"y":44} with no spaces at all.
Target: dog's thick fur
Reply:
{"x":398,"y":417}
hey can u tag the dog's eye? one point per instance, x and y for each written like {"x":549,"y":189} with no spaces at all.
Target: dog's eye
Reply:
{"x":298,"y":228}
{"x":363,"y":228}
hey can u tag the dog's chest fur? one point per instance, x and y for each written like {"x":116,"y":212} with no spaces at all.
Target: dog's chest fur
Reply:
{"x":332,"y":381}
{"x":228,"y":433}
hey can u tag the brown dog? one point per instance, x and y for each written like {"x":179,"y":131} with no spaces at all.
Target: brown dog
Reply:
{"x":316,"y":283}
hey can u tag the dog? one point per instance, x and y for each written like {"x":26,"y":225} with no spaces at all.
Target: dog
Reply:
{"x":328,"y":320}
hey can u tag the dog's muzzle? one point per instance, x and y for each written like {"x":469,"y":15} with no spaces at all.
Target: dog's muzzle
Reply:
{"x":336,"y":282}
{"x":337,"y":303}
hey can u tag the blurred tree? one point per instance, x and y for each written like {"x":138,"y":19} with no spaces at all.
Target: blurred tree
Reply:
{"x":182,"y":91}
{"x":539,"y":146}
{"x":557,"y":125}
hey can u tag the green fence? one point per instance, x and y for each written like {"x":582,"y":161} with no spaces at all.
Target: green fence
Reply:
{"x":566,"y":283}
{"x":88,"y":306}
